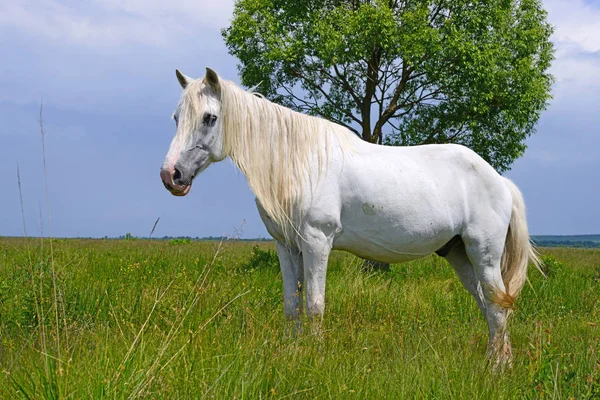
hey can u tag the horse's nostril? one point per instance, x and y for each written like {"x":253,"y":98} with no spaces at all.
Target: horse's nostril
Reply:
{"x":177,"y":177}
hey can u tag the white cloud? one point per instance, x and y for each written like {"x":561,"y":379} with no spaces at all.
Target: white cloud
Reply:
{"x":107,"y":23}
{"x":576,"y":22}
{"x":577,"y":41}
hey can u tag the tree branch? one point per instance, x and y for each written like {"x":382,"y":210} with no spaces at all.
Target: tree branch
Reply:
{"x":347,"y":85}
{"x":328,"y":97}
{"x":393,"y":106}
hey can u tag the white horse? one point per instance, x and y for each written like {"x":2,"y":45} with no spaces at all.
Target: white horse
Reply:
{"x":319,"y":187}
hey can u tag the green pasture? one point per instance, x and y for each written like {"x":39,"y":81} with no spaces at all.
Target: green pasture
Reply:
{"x":179,"y":319}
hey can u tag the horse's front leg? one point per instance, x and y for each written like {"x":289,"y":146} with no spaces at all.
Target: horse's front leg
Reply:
{"x":290,"y":261}
{"x":315,"y":253}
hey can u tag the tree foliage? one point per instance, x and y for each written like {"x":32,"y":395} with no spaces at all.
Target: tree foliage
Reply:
{"x":403,"y":72}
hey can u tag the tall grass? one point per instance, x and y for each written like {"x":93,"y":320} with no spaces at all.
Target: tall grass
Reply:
{"x":44,"y":303}
{"x":203,"y":319}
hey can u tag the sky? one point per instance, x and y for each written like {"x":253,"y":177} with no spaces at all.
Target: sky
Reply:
{"x":104,"y":71}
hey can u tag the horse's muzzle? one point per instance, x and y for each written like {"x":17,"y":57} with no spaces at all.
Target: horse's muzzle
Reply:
{"x":173,"y":185}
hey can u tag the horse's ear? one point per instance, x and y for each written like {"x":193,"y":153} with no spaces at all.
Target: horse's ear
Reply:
{"x":212,"y":80}
{"x":183,"y":80}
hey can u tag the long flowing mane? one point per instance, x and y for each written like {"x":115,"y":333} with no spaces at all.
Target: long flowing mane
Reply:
{"x":275,"y":148}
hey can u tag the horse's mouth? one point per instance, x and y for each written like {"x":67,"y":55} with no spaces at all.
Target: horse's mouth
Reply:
{"x":182,"y":192}
{"x":178,"y":190}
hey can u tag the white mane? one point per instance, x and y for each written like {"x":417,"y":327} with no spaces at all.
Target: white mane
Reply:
{"x":274,"y":147}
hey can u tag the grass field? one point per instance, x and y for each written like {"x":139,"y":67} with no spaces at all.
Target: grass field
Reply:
{"x":127,"y":319}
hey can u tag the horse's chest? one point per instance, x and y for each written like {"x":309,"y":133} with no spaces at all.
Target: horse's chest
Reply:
{"x":274,"y":230}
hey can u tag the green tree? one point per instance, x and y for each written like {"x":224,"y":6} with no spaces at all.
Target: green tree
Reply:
{"x":404,"y":72}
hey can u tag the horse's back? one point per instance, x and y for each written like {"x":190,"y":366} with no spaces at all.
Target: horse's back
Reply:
{"x":428,"y":175}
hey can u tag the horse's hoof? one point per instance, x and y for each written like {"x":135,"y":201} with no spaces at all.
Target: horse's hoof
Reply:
{"x":500,"y":354}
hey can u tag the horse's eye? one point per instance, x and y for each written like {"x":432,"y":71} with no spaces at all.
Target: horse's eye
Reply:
{"x":209,"y":120}
{"x":176,"y":120}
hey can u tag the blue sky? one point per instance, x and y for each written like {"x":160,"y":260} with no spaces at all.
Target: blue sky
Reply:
{"x":105,"y":71}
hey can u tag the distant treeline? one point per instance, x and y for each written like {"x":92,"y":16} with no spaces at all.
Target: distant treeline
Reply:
{"x":581,"y":241}
{"x":578,"y":241}
{"x":128,"y":236}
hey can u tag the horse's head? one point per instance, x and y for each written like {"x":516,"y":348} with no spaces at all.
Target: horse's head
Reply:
{"x":198,"y":138}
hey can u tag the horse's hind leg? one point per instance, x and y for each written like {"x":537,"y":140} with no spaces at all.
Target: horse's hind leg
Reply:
{"x":485,"y":253}
{"x":457,"y":257}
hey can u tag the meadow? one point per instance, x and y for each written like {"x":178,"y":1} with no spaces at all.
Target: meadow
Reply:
{"x":179,"y":319}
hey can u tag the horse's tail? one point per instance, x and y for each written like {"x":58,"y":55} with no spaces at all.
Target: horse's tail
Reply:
{"x":518,"y":250}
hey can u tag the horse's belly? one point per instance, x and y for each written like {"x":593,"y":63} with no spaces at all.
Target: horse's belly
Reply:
{"x":376,"y":252}
{"x":393,"y":238}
